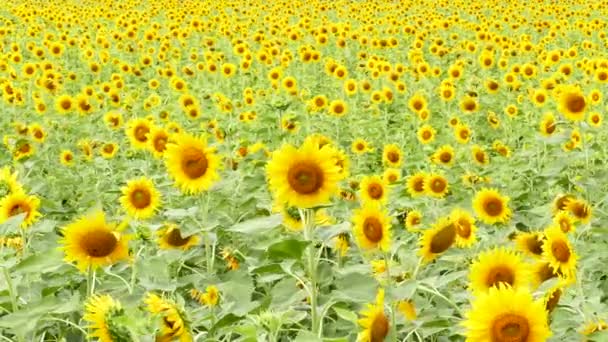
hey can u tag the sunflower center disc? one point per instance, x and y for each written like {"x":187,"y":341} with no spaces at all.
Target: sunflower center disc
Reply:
{"x":160,"y":144}
{"x":174,"y":238}
{"x":500,"y":274}
{"x":464,"y":228}
{"x":438,"y":185}
{"x":419,"y":185}
{"x":141,"y":198}
{"x":379,"y":328}
{"x":305,"y":178}
{"x":17,"y":209}
{"x":552,"y":302}
{"x":445,"y":157}
{"x":372,"y":228}
{"x":140,"y":133}
{"x":560,"y":251}
{"x":194,"y":163}
{"x":545,"y":273}
{"x":393,"y":157}
{"x":443,"y":239}
{"x":375,"y":191}
{"x":575,"y":103}
{"x":535,"y":245}
{"x":510,"y":328}
{"x":99,"y":243}
{"x":493,"y":207}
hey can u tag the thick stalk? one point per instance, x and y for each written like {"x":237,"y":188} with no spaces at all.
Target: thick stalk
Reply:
{"x":11,"y":289}
{"x":309,"y":226}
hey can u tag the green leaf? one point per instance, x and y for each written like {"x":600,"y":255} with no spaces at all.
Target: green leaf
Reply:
{"x":307,"y":336}
{"x":288,"y":249}
{"x":257,"y":225}
{"x":41,"y":263}
{"x":347,"y":315}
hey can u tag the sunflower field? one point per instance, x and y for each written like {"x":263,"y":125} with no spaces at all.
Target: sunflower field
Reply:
{"x":303,"y":170}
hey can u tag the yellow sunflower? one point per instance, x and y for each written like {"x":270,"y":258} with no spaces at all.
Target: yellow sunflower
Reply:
{"x":498,"y":266}
{"x":140,"y":198}
{"x":174,"y":323}
{"x":507,"y":315}
{"x":157,"y":141}
{"x":170,"y":237}
{"x":137,"y":131}
{"x":530,"y":243}
{"x":8,"y":182}
{"x":109,"y":150}
{"x":438,"y":239}
{"x":436,"y":185}
{"x":66,"y":158}
{"x":416,"y":184}
{"x":374,"y":321}
{"x":548,"y":125}
{"x":426,"y":134}
{"x":580,"y":209}
{"x":191,"y":163}
{"x":372,"y":227}
{"x":462,"y":133}
{"x":360,"y":146}
{"x":99,"y":312}
{"x":18,"y":203}
{"x":392,"y":155}
{"x":558,"y":251}
{"x":444,"y":156}
{"x":92,"y":242}
{"x":465,"y":228}
{"x":560,"y":203}
{"x":572,"y":104}
{"x":373,"y":189}
{"x":491,"y":207}
{"x":594,"y":326}
{"x":303,"y":177}
{"x":413,"y":221}
{"x":565,"y":221}
{"x":391,"y":175}
{"x":541,"y":272}
{"x":480,"y":157}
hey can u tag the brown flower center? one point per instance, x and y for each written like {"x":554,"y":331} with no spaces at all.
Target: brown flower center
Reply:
{"x":379,"y":328}
{"x":553,"y":300}
{"x":500,"y":274}
{"x":545,"y":272}
{"x":560,"y":251}
{"x":575,"y":103}
{"x":160,"y":143}
{"x":305,"y":178}
{"x":99,"y":243}
{"x":141,"y":132}
{"x":141,"y":198}
{"x":463,"y":228}
{"x":438,"y":185}
{"x":174,"y":238}
{"x":445,"y":157}
{"x":194,"y":162}
{"x":372,"y":229}
{"x":510,"y":328}
{"x":493,"y":207}
{"x":419,"y":184}
{"x":375,"y":191}
{"x":443,"y":239}
{"x":392,"y":156}
{"x":534,"y":245}
{"x":18,"y":209}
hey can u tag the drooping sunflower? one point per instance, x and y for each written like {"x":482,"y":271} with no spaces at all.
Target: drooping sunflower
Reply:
{"x":507,"y":315}
{"x":8,"y":182}
{"x":436,"y":185}
{"x":374,"y":321}
{"x":174,"y":322}
{"x":303,"y":177}
{"x":530,"y":243}
{"x":372,"y":227}
{"x":373,"y":188}
{"x":392,"y":155}
{"x":465,"y":228}
{"x":18,"y":203}
{"x":438,"y":239}
{"x":140,"y":198}
{"x":572,"y":104}
{"x":498,"y":266}
{"x":137,"y":131}
{"x":191,"y":163}
{"x":580,"y":209}
{"x":100,"y":312}
{"x":170,"y":237}
{"x":92,"y":242}
{"x":491,"y":207}
{"x":558,"y":251}
{"x":416,"y":184}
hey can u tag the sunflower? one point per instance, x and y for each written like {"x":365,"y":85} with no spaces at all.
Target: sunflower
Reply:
{"x":303,"y":177}
{"x":413,"y":221}
{"x":391,"y":175}
{"x":465,"y":228}
{"x":140,"y":198}
{"x":170,"y":237}
{"x":101,"y":311}
{"x":338,"y":108}
{"x":580,"y":209}
{"x":92,"y":242}
{"x":416,"y":184}
{"x":174,"y":323}
{"x":462,"y":133}
{"x":109,"y":150}
{"x":8,"y":182}
{"x":498,"y":266}
{"x":565,"y":221}
{"x":594,"y":326}
{"x":572,"y":104}
{"x":18,"y":203}
{"x":114,"y":120}
{"x":191,"y":163}
{"x":595,"y":119}
{"x":157,"y":141}
{"x":469,"y":104}
{"x":505,"y":314}
{"x":292,"y":219}
{"x":372,"y":227}
{"x":64,"y":104}
{"x":530,"y":243}
{"x":360,"y":146}
{"x":438,"y":239}
{"x":444,"y":156}
{"x":66,"y":158}
{"x":209,"y":298}
{"x":426,"y":134}
{"x":493,"y":120}
{"x":373,"y":189}
{"x":417,"y":103}
{"x":560,"y":203}
{"x":436,"y":185}
{"x":37,"y":132}
{"x":374,"y":321}
{"x":548,"y":125}
{"x":392,"y":155}
{"x":541,"y":272}
{"x":137,"y":131}
{"x":408,"y":309}
{"x":558,"y":251}
{"x":480,"y":157}
{"x":491,"y":207}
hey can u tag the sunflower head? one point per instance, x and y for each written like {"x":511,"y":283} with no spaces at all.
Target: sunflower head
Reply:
{"x":392,"y":155}
{"x":530,"y":243}
{"x":465,"y":228}
{"x":572,"y":104}
{"x":558,"y":251}
{"x":438,"y":239}
{"x":170,"y":237}
{"x":373,"y":188}
{"x":20,"y":203}
{"x":372,"y":227}
{"x":102,"y":313}
{"x":374,"y":321}
{"x":498,"y":266}
{"x":416,"y":184}
{"x":140,"y":198}
{"x":491,"y":207}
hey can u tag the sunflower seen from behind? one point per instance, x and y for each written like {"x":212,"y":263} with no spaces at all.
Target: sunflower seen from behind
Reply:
{"x":303,"y":177}
{"x":192,"y":163}
{"x":372,"y":227}
{"x":90,"y":241}
{"x":140,"y":198}
{"x":505,"y":314}
{"x":101,"y":312}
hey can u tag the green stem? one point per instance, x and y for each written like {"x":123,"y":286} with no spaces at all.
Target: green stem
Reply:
{"x":389,"y":284}
{"x":90,"y":281}
{"x":11,"y":289}
{"x":309,"y":226}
